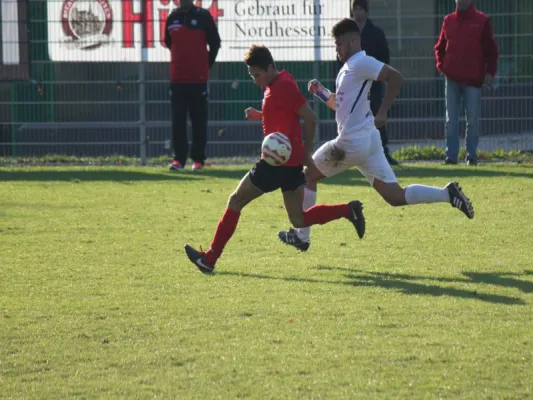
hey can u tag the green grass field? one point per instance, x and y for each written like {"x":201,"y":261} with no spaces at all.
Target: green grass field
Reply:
{"x":97,"y":299}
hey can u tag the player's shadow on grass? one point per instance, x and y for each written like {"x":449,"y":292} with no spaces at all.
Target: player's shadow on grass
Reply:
{"x":403,"y":283}
{"x":504,"y":279}
{"x":123,"y":174}
{"x":116,"y":175}
{"x":413,"y":288}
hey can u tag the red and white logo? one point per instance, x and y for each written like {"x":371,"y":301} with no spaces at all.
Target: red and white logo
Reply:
{"x":87,"y":24}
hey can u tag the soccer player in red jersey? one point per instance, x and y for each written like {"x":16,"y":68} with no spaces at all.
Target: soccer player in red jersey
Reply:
{"x":283,"y":106}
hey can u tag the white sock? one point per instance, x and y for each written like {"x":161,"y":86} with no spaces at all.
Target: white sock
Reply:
{"x":418,"y":194}
{"x":309,"y":201}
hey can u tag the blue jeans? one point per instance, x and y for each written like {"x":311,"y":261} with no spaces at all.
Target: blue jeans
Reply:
{"x":472,"y":103}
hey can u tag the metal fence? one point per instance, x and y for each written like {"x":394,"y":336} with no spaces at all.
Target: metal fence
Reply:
{"x":97,"y":78}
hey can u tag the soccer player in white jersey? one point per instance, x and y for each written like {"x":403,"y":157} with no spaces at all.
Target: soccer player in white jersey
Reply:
{"x":358,"y":143}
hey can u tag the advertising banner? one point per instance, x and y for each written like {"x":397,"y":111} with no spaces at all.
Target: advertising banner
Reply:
{"x":131,"y":30}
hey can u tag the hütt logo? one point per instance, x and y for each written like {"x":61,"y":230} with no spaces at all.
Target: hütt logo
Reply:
{"x":87,"y":24}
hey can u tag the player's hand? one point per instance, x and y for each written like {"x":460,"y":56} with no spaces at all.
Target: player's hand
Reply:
{"x":251,"y":114}
{"x":314,"y":86}
{"x":380,"y":119}
{"x":489,"y":80}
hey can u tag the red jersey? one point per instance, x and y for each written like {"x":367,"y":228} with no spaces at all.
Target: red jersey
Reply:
{"x":281,"y":103}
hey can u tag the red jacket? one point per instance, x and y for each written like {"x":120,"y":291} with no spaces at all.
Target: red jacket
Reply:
{"x":466,"y":49}
{"x":187,"y":35}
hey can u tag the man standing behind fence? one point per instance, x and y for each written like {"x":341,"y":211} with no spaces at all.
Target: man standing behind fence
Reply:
{"x":188,"y":32}
{"x":374,"y":43}
{"x":467,"y":56}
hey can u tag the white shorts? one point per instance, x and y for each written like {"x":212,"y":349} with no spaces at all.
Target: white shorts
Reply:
{"x":362,"y":150}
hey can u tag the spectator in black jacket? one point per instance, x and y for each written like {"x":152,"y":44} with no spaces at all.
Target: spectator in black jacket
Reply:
{"x":374,"y":43}
{"x":189,"y":31}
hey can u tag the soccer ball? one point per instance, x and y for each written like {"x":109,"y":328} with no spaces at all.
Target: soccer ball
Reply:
{"x":276,"y":149}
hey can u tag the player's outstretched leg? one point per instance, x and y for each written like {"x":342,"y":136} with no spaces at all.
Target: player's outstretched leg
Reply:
{"x":318,"y":215}
{"x":322,"y":214}
{"x":205,"y":261}
{"x":395,"y":195}
{"x":451,"y":193}
{"x":459,"y":200}
{"x":198,"y":258}
{"x":244,"y":194}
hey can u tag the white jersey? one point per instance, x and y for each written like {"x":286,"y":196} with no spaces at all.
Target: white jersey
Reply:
{"x":352,"y":106}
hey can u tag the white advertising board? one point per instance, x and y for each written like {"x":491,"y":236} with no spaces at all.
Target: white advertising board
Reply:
{"x":115,"y":30}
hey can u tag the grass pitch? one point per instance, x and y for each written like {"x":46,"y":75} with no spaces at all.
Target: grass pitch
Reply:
{"x":98,"y":300}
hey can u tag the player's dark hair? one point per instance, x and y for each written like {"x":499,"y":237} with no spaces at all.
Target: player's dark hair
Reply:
{"x":259,"y":56}
{"x":345,"y":26}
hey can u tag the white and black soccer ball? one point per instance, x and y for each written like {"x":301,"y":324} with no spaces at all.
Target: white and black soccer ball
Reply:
{"x":276,"y":149}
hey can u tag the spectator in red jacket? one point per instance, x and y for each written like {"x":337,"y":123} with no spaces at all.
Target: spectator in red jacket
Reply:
{"x":467,"y":55}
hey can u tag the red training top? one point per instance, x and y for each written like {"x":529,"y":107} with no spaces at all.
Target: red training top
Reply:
{"x":281,"y":103}
{"x":187,"y":35}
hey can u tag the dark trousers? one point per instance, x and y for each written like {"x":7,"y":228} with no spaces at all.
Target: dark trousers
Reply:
{"x":189,"y":98}
{"x":376,"y":97}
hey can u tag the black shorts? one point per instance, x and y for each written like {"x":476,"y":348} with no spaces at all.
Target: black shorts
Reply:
{"x":268,"y":178}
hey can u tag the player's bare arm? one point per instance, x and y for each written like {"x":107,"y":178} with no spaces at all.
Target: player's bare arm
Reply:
{"x":252,"y":114}
{"x":309,"y":117}
{"x":394,"y":80}
{"x":324,"y":94}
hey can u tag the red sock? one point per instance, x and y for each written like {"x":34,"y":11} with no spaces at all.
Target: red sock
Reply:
{"x":225,"y":229}
{"x":322,"y":213}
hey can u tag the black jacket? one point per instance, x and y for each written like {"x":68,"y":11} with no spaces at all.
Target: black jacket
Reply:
{"x":374,"y":42}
